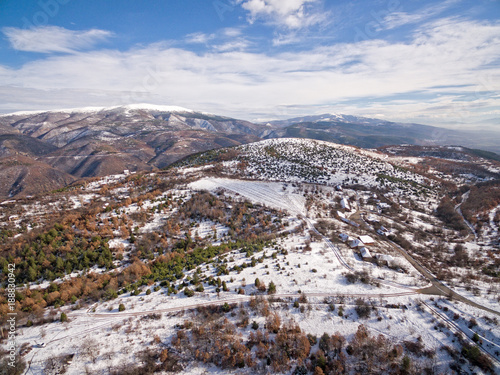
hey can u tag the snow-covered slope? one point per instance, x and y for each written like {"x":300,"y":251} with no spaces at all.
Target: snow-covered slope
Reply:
{"x":129,"y":107}
{"x":306,"y":160}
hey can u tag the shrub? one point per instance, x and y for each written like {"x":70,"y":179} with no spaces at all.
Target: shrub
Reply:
{"x":474,"y":355}
{"x":341,"y":311}
{"x":362,"y":276}
{"x":405,"y":365}
{"x":312,"y":339}
{"x":121,"y":307}
{"x":273,"y":322}
{"x":271,"y":288}
{"x":362,"y":308}
{"x":446,"y":212}
{"x":300,"y":370}
{"x":226,"y":307}
{"x":64,"y":317}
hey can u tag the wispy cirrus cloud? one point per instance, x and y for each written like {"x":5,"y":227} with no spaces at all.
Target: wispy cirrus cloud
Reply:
{"x":400,"y":18}
{"x":199,"y":38}
{"x":228,"y":39}
{"x":49,"y":39}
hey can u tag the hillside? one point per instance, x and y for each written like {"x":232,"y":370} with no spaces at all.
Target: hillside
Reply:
{"x":93,"y":142}
{"x":22,"y":175}
{"x":373,"y":133}
{"x":280,"y":256}
{"x":90,"y":142}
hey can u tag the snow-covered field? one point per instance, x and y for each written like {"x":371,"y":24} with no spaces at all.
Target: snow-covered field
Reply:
{"x":271,"y":194}
{"x":301,"y":262}
{"x":118,"y":336}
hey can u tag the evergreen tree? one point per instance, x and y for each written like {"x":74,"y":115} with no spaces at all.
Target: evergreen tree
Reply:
{"x":271,"y":288}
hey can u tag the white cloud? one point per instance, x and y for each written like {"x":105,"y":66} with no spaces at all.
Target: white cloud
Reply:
{"x":235,"y":45}
{"x":292,"y":14}
{"x":454,"y":58}
{"x":228,"y":39}
{"x":231,"y":32}
{"x":47,"y":39}
{"x":400,"y":18}
{"x":199,"y":38}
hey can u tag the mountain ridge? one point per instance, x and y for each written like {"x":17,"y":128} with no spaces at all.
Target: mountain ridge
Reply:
{"x":96,"y":141}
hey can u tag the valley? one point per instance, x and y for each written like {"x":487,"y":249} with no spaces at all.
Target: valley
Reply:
{"x":73,"y":144}
{"x":260,"y":248}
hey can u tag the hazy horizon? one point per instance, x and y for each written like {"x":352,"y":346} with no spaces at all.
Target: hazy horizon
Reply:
{"x":401,"y":61}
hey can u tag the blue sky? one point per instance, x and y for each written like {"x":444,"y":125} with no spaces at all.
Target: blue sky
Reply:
{"x":432,"y":62}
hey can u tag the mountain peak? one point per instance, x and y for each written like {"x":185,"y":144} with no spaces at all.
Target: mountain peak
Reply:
{"x":154,"y":107}
{"x":125,"y":108}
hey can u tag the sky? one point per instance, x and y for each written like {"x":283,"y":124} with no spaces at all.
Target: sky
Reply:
{"x":429,"y":62}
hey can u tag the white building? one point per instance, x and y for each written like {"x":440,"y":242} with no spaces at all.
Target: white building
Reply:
{"x":356,"y":243}
{"x":367,"y":240}
{"x":344,"y":203}
{"x":365,"y":254}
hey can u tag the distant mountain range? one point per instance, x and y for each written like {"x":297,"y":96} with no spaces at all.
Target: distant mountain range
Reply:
{"x":372,"y":133}
{"x":44,"y":150}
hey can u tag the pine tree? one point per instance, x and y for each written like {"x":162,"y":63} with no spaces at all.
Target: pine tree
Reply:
{"x":271,"y":288}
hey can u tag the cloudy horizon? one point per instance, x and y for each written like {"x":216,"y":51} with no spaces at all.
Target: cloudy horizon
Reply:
{"x":435,"y":64}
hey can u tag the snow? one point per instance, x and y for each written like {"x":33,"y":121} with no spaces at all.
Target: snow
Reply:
{"x":121,"y":335}
{"x":319,"y":272}
{"x":154,"y":107}
{"x":65,"y":110}
{"x":270,"y":194}
{"x":129,"y":107}
{"x":117,"y":243}
{"x":366,"y":239}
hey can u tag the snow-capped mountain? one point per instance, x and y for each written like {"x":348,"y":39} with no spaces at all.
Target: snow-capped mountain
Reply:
{"x":97,"y":141}
{"x":328,"y":117}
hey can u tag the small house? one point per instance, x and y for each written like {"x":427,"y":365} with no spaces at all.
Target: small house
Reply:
{"x":372,"y":219}
{"x":344,"y":237}
{"x":356,"y":243}
{"x":344,"y":203}
{"x":384,"y":259}
{"x":365,"y":254}
{"x":383,"y":231}
{"x":383,"y":205}
{"x":367,"y":240}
